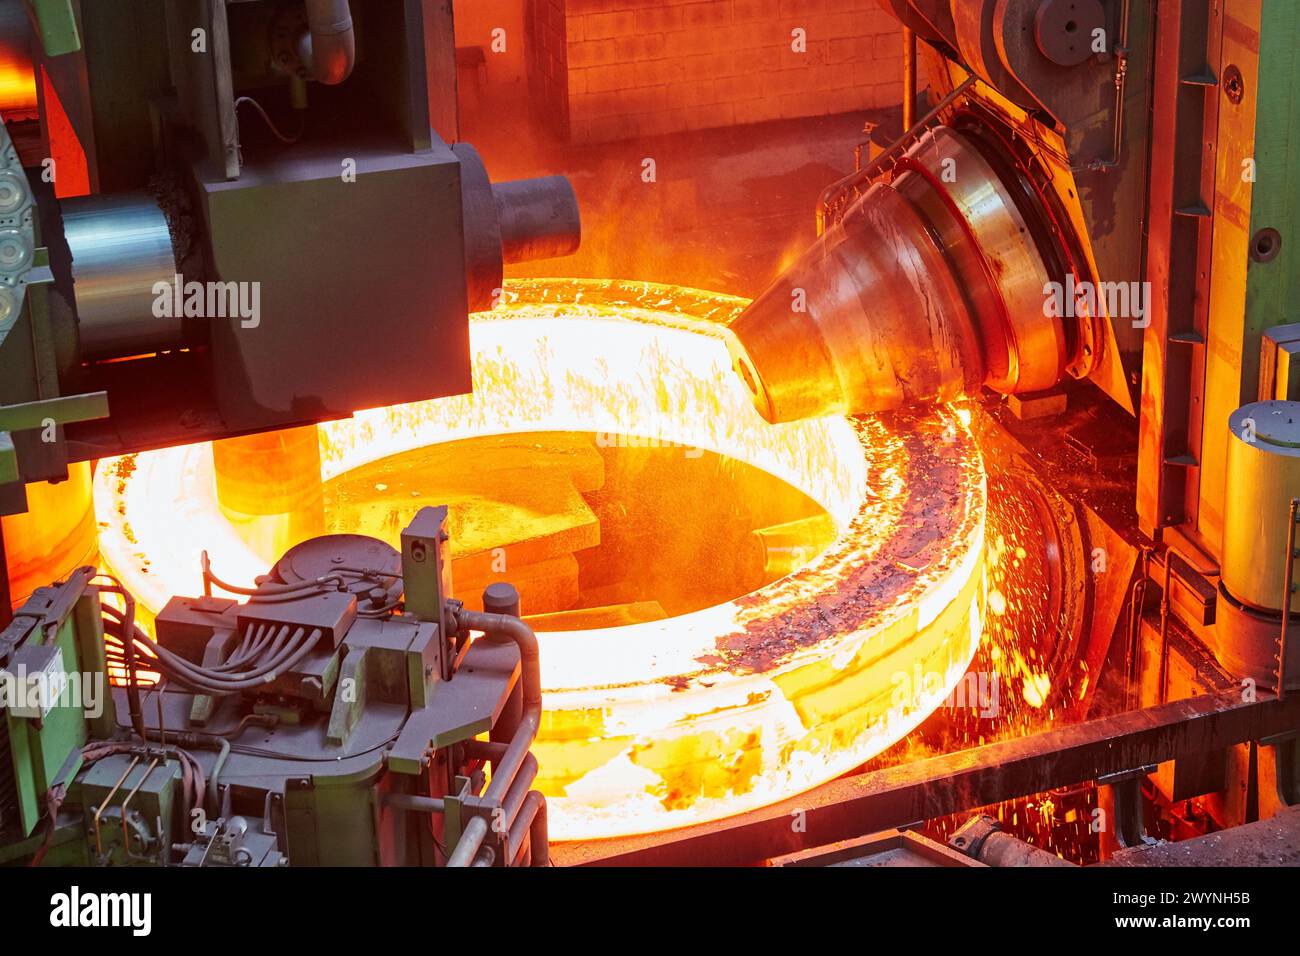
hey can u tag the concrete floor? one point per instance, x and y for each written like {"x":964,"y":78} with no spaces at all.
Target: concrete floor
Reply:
{"x":726,"y":210}
{"x":1271,"y":842}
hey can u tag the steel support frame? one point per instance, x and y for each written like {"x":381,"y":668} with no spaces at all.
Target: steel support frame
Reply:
{"x":910,"y":793}
{"x":1179,"y":226}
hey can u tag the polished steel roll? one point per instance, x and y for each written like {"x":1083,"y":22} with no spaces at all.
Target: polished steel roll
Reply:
{"x":928,"y":287}
{"x":1262,"y":476}
{"x":870,"y":318}
{"x":121,"y":258}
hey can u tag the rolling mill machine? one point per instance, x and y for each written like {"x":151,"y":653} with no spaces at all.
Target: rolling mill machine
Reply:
{"x":343,"y":696}
{"x":1091,"y":227}
{"x":1035,"y":373}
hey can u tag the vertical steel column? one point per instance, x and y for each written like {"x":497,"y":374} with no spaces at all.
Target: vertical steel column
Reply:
{"x":1178,"y":217}
{"x":909,"y":79}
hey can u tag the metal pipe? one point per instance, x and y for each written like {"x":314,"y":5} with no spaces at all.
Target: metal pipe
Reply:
{"x":126,"y":832}
{"x":6,"y":594}
{"x":1288,"y":587}
{"x":981,"y":838}
{"x":909,"y":78}
{"x":514,"y":629}
{"x":1005,"y":850}
{"x":504,"y":774}
{"x":777,"y":550}
{"x":519,"y":788}
{"x":1137,"y":598}
{"x":516,"y":755}
{"x":540,"y":836}
{"x":471,"y":838}
{"x":501,"y":597}
{"x":413,"y":802}
{"x":328,"y":48}
{"x":99,"y":811}
{"x":214,"y":789}
{"x":531,"y":822}
{"x":485,"y":750}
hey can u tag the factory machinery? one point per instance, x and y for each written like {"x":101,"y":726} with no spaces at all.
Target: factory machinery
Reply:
{"x":1094,"y":224}
{"x":351,"y":724}
{"x":1088,"y":234}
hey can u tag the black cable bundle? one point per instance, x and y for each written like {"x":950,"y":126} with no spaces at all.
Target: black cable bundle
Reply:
{"x":264,"y":652}
{"x":127,"y":619}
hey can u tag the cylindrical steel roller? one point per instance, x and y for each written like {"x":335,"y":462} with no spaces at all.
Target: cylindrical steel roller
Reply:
{"x":538,"y":218}
{"x":1263,"y":475}
{"x":517,"y":221}
{"x":929,"y":286}
{"x":870,"y":318}
{"x":122,"y":255}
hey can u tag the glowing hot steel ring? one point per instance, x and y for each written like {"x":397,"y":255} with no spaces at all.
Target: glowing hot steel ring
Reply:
{"x":667,"y":723}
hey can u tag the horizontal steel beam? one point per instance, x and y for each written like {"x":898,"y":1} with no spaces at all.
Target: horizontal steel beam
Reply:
{"x":62,"y":410}
{"x":909,"y":793}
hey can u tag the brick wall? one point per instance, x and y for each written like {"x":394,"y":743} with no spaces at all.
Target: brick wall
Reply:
{"x":643,"y":67}
{"x":548,"y":59}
